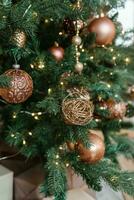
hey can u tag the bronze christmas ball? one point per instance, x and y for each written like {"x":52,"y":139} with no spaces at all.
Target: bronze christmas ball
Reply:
{"x":57,"y":52}
{"x":117,"y":110}
{"x":99,"y":133}
{"x":95,"y":152}
{"x":21,"y":86}
{"x":104,"y":29}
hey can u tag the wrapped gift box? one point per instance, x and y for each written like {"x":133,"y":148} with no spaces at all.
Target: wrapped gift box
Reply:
{"x":26,"y":184}
{"x":76,"y":194}
{"x":6,"y":184}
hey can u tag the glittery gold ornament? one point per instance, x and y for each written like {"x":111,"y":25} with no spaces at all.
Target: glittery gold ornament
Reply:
{"x":19,"y":38}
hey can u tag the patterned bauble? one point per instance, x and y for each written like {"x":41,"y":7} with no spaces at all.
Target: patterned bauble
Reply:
{"x":21,"y":86}
{"x":104,"y":29}
{"x":95,"y":152}
{"x":19,"y":38}
{"x":57,"y":52}
{"x":116,"y":110}
{"x":77,"y":108}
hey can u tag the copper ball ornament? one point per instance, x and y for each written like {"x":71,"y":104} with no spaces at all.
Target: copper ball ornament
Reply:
{"x":77,"y":108}
{"x":117,"y":110}
{"x":57,"y":52}
{"x":99,"y":133}
{"x":104,"y":29}
{"x":21,"y":86}
{"x":95,"y":152}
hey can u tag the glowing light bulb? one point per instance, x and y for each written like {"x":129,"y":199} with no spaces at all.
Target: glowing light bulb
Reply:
{"x":91,"y":57}
{"x":30,"y":133}
{"x":36,"y":117}
{"x":49,"y":91}
{"x":67,"y":164}
{"x":61,"y":83}
{"x":127,"y":60}
{"x":114,"y":57}
{"x":39,"y":113}
{"x":57,"y":156}
{"x":14,"y":115}
{"x":32,"y":66}
{"x":24,"y":142}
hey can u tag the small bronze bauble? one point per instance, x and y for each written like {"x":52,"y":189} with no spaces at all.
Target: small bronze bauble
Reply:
{"x":79,"y":67}
{"x":117,"y":110}
{"x":21,"y":86}
{"x":57,"y":52}
{"x":95,"y":152}
{"x":76,"y":40}
{"x":104,"y":29}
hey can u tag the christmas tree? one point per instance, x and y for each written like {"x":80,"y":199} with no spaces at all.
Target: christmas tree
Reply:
{"x":67,"y":94}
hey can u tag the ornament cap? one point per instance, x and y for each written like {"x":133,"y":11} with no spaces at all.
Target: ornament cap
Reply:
{"x":16,"y":66}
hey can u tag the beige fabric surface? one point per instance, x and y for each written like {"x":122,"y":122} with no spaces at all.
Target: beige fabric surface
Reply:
{"x":76,"y":194}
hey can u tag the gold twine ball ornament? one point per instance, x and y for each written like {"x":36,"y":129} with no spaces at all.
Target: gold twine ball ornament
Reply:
{"x":77,"y":108}
{"x":19,"y":38}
